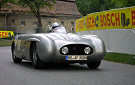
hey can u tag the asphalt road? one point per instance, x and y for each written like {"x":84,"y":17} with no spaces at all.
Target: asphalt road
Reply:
{"x":109,"y":73}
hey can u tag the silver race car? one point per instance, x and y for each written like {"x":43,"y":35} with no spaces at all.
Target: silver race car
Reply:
{"x":45,"y":48}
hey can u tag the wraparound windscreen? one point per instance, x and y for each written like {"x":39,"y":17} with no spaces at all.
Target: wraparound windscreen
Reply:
{"x":113,"y":19}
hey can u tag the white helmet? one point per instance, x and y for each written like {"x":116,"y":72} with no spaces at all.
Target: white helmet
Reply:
{"x":55,"y":24}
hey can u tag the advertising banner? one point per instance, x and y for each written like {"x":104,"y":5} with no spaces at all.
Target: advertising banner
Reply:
{"x":112,"y":19}
{"x":5,"y":34}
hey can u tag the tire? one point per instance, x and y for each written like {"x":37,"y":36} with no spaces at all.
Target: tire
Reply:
{"x":15,"y":59}
{"x":36,"y":62}
{"x":93,"y":65}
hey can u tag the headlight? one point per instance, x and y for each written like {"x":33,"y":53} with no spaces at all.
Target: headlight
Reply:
{"x":87,"y":50}
{"x":64,"y":50}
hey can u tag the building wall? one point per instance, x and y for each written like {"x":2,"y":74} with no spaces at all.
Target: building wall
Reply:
{"x":25,"y":23}
{"x":2,"y":22}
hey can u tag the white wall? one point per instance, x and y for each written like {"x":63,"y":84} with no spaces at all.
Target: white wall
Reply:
{"x":116,"y":40}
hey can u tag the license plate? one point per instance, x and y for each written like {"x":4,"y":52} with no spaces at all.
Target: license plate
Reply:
{"x":76,"y":57}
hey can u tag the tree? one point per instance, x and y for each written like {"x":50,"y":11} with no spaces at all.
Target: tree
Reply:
{"x":0,"y":6}
{"x":3,"y":2}
{"x":122,"y":3}
{"x":35,"y":6}
{"x":89,"y":6}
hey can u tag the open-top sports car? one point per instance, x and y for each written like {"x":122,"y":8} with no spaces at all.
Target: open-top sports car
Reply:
{"x":44,"y":48}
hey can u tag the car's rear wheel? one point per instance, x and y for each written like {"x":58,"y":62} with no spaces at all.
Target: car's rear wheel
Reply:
{"x":36,"y":62}
{"x":15,"y":59}
{"x":93,"y":65}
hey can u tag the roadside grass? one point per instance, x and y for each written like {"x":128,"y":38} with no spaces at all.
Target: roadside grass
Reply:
{"x":5,"y":42}
{"x":120,"y":58}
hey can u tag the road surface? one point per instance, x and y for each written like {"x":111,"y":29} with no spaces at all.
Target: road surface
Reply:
{"x":109,"y":73}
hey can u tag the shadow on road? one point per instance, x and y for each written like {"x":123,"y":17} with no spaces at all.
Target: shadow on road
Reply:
{"x":59,"y":67}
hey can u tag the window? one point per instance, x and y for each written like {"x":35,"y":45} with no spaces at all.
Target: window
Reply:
{"x":72,"y":30}
{"x":35,"y":24}
{"x":49,"y":22}
{"x":22,"y":23}
{"x":62,"y":23}
{"x":73,"y":24}
{"x":13,"y":21}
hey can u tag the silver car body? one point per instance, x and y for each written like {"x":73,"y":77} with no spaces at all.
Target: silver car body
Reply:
{"x":49,"y":45}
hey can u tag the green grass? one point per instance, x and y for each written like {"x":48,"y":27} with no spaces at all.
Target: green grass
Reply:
{"x":5,"y":42}
{"x":120,"y":58}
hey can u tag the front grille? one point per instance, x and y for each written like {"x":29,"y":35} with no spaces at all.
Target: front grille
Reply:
{"x":76,"y":49}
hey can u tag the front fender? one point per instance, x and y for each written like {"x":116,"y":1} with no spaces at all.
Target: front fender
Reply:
{"x":46,"y":49}
{"x":99,"y":49}
{"x":32,"y":39}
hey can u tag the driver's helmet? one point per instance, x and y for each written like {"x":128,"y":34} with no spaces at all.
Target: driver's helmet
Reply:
{"x":55,"y":24}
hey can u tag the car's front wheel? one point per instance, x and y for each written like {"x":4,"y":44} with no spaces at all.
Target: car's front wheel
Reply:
{"x":93,"y":65}
{"x":15,"y":59}
{"x":36,"y":62}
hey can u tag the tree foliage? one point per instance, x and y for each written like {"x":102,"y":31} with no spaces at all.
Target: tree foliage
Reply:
{"x":3,"y":3}
{"x":89,"y":6}
{"x":35,"y":4}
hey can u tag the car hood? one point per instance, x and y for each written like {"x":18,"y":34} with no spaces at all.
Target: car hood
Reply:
{"x":68,"y":36}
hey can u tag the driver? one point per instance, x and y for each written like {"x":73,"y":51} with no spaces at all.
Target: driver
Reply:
{"x":56,"y":28}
